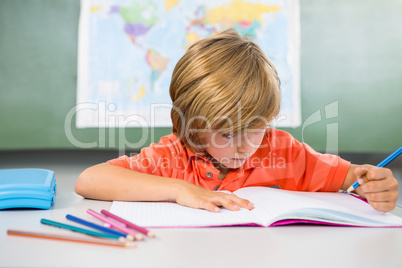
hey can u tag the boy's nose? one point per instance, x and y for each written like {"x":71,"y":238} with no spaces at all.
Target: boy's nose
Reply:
{"x":245,"y":148}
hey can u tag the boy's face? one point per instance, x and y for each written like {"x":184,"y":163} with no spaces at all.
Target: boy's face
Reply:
{"x":232,"y":150}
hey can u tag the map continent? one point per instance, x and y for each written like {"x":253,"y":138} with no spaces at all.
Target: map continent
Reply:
{"x":130,"y":48}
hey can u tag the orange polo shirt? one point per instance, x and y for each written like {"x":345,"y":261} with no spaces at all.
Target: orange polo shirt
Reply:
{"x":280,"y":161}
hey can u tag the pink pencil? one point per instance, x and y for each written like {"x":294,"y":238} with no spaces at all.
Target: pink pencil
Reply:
{"x":128,"y":224}
{"x":115,"y":225}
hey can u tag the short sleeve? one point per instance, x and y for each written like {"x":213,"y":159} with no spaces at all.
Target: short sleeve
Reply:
{"x":157,"y":159}
{"x":306,"y":169}
{"x":322,"y":172}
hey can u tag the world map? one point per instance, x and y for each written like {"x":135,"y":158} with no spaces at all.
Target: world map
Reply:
{"x":128,"y":50}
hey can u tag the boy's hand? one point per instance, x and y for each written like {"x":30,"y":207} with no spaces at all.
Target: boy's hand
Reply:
{"x":198,"y":197}
{"x":378,"y":186}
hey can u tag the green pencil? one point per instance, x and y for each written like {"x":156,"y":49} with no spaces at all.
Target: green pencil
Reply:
{"x":81,"y":230}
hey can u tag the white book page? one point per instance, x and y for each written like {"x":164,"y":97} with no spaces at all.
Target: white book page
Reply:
{"x":272,"y":204}
{"x":166,"y":214}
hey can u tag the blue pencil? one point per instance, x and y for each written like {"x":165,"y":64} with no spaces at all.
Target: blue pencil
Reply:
{"x":387,"y":160}
{"x":79,"y":230}
{"x":383,"y":163}
{"x":98,"y":227}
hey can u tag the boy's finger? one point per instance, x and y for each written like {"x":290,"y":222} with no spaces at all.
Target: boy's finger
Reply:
{"x":378,"y":174}
{"x":375,"y":186}
{"x":360,"y":171}
{"x":386,"y":196}
{"x":209,"y":206}
{"x":226,"y":202}
{"x":244,"y":203}
{"x":382,"y":206}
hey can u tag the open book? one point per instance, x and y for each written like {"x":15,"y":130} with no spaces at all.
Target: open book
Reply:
{"x":272,"y":207}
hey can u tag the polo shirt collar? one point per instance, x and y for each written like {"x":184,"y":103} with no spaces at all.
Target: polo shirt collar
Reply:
{"x":191,"y":155}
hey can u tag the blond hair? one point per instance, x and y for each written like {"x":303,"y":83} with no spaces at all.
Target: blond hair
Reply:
{"x":224,"y":82}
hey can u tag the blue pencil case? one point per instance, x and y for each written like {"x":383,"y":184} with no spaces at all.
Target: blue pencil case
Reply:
{"x":27,"y":188}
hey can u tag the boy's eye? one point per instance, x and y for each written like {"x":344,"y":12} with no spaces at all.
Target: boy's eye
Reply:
{"x":228,"y":136}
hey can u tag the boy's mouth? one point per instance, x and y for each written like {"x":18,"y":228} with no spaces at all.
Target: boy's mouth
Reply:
{"x":240,"y":159}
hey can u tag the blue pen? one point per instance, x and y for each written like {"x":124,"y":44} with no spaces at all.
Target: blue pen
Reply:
{"x":99,"y":227}
{"x":385,"y":162}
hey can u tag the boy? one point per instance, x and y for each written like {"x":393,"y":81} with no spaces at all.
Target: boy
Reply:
{"x":225,"y":92}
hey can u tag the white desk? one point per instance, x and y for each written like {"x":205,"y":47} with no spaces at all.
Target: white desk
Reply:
{"x":286,"y":246}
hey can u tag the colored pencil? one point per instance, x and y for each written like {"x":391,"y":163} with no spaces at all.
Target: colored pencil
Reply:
{"x":98,"y":227}
{"x":115,"y":224}
{"x":391,"y":157}
{"x":128,"y":224}
{"x":81,"y":230}
{"x":383,"y":163}
{"x":96,"y":241}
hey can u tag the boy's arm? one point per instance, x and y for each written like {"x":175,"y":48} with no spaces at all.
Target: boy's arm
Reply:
{"x":377,"y":185}
{"x":108,"y":182}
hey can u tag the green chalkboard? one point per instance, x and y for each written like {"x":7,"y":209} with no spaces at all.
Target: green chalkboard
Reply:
{"x":351,"y":78}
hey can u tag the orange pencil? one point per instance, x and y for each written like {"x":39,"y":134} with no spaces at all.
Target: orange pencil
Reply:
{"x":97,"y":241}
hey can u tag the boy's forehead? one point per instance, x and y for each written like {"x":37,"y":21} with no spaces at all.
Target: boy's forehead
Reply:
{"x":241,"y":131}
